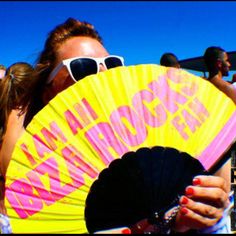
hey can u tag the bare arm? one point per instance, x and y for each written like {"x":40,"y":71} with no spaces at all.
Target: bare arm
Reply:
{"x":13,"y":132}
{"x":225,"y":87}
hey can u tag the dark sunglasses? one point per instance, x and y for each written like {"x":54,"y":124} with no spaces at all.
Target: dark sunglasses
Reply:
{"x":80,"y":67}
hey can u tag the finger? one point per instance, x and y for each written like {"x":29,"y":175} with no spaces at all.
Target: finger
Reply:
{"x":194,"y":220}
{"x":121,"y":230}
{"x":210,"y":181}
{"x":211,"y":195}
{"x":201,"y":208}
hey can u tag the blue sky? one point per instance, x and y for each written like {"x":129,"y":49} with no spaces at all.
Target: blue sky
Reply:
{"x":141,"y":31}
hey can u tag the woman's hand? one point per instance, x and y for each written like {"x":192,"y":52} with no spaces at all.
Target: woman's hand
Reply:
{"x":203,"y":204}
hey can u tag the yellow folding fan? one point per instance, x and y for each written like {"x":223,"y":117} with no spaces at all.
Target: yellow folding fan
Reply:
{"x":99,"y":119}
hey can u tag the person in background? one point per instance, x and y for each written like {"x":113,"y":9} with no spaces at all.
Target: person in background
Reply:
{"x":2,"y":71}
{"x":79,"y":42}
{"x":218,"y":66}
{"x":169,"y":60}
{"x":14,"y":101}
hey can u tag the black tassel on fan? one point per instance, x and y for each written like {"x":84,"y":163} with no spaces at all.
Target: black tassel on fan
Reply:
{"x":138,"y":185}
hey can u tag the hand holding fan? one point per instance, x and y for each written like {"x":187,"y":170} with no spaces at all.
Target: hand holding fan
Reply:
{"x":99,"y":119}
{"x":141,"y":185}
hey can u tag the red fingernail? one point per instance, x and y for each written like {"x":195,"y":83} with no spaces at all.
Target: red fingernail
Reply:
{"x":126,"y":231}
{"x":184,"y":200}
{"x":183,"y":211}
{"x":196,"y":181}
{"x":189,"y":191}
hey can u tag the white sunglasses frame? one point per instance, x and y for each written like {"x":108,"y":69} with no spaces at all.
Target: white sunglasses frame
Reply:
{"x":66,"y":62}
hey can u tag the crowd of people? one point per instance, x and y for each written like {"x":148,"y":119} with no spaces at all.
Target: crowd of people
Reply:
{"x":25,"y":90}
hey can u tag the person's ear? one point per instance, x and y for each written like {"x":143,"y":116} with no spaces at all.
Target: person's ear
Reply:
{"x":219,"y":63}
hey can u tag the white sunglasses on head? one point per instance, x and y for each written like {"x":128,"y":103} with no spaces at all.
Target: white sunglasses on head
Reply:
{"x":80,"y":67}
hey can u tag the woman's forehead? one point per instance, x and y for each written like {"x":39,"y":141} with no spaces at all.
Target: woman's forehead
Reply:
{"x":81,"y":46}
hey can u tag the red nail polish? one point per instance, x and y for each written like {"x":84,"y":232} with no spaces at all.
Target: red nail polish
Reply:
{"x":196,"y":181}
{"x":189,"y":191}
{"x":126,"y":231}
{"x":184,"y":200}
{"x":183,"y":211}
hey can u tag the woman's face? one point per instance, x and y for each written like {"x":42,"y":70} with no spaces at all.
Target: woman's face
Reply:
{"x":74,"y":47}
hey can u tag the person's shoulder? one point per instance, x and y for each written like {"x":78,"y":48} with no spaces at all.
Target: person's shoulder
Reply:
{"x":219,"y":81}
{"x":15,"y":119}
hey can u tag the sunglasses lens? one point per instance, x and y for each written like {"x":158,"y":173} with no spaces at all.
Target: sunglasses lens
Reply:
{"x":81,"y":68}
{"x":112,"y":62}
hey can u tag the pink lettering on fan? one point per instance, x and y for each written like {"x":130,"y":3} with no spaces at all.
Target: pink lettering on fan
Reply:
{"x":133,"y":132}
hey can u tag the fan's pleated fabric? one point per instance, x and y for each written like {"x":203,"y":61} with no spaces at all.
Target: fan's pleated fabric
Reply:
{"x":99,"y":119}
